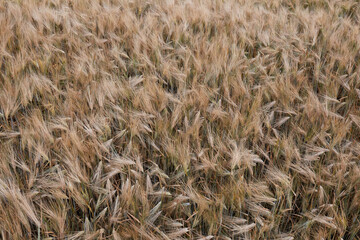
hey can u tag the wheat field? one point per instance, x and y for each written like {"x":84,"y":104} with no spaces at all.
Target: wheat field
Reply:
{"x":166,"y":119}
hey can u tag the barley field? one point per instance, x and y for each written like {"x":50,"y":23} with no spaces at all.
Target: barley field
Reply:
{"x":169,"y":119}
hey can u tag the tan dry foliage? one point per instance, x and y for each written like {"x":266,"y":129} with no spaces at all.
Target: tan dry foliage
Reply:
{"x":179,"y":119}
